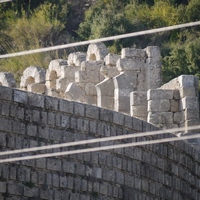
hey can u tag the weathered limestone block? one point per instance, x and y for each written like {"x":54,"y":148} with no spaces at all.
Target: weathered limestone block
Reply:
{"x":86,"y":79}
{"x":124,"y":84}
{"x":139,"y":111}
{"x":187,"y":91}
{"x":153,"y":52}
{"x":161,"y":118}
{"x":153,"y":75}
{"x":75,"y":92}
{"x":75,"y":59}
{"x":174,"y":105}
{"x":189,"y":123}
{"x":33,"y":75}
{"x":7,"y":79}
{"x":110,"y":70}
{"x":138,"y":104}
{"x":176,"y":94}
{"x":158,"y":94}
{"x":138,"y":98}
{"x":153,"y":67}
{"x":96,"y":51}
{"x":90,"y":72}
{"x":37,"y":88}
{"x":134,"y":64}
{"x":191,"y":114}
{"x":105,"y":94}
{"x":132,"y":52}
{"x":186,"y":81}
{"x":177,"y":118}
{"x":159,"y":105}
{"x":59,"y":75}
{"x":189,"y":103}
{"x":171,"y":85}
{"x":111,"y":59}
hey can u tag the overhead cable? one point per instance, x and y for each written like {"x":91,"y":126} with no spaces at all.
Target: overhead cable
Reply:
{"x":4,"y":1}
{"x":102,"y":148}
{"x":105,"y":39}
{"x":96,"y":140}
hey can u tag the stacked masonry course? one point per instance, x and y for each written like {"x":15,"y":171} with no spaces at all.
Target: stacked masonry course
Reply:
{"x":161,"y":171}
{"x":129,"y":83}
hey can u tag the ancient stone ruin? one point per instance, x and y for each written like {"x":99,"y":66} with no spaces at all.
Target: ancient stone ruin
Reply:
{"x":129,"y":83}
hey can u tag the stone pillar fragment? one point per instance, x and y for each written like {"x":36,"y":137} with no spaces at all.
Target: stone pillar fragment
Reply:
{"x":75,"y":59}
{"x":85,"y":80}
{"x":138,"y":104}
{"x":153,"y":67}
{"x":7,"y":79}
{"x":59,"y":75}
{"x":33,"y":79}
{"x":96,"y":51}
{"x":105,"y":94}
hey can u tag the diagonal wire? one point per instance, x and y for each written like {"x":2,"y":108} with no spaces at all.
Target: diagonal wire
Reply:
{"x":100,"y":148}
{"x":99,"y":140}
{"x":4,"y":1}
{"x":168,"y":28}
{"x":96,"y":140}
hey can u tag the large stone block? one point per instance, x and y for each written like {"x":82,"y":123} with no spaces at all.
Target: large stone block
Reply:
{"x":126,"y":81}
{"x":20,"y":96}
{"x":161,"y":118}
{"x":127,"y":64}
{"x":75,"y":92}
{"x":90,"y":89}
{"x":37,"y":88}
{"x":76,"y":58}
{"x":191,"y":114}
{"x":6,"y":93}
{"x":159,"y":106}
{"x":32,"y":75}
{"x":186,"y":81}
{"x":153,"y":52}
{"x":111,"y":59}
{"x":81,"y":77}
{"x":105,"y":88}
{"x":7,"y":79}
{"x":177,"y":117}
{"x":158,"y":94}
{"x":91,"y":65}
{"x":187,"y":91}
{"x":96,"y":51}
{"x":138,"y":98}
{"x":174,"y":105}
{"x":189,"y":103}
{"x":153,"y":74}
{"x":139,"y":111}
{"x":132,"y":52}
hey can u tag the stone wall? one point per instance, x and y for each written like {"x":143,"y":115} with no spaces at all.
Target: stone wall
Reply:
{"x":161,"y":171}
{"x":128,"y":83}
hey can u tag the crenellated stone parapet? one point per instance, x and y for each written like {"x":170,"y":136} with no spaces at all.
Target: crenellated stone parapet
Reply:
{"x":7,"y":79}
{"x":33,"y":80}
{"x":129,"y":83}
{"x":181,"y":109}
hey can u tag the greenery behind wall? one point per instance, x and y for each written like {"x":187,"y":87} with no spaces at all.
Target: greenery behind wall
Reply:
{"x":30,"y":24}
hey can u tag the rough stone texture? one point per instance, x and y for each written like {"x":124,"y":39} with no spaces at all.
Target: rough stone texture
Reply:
{"x":7,"y":79}
{"x":60,"y":74}
{"x":183,"y":95}
{"x":161,"y":171}
{"x":96,"y":51}
{"x":76,"y":58}
{"x":33,"y":79}
{"x":83,"y":89}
